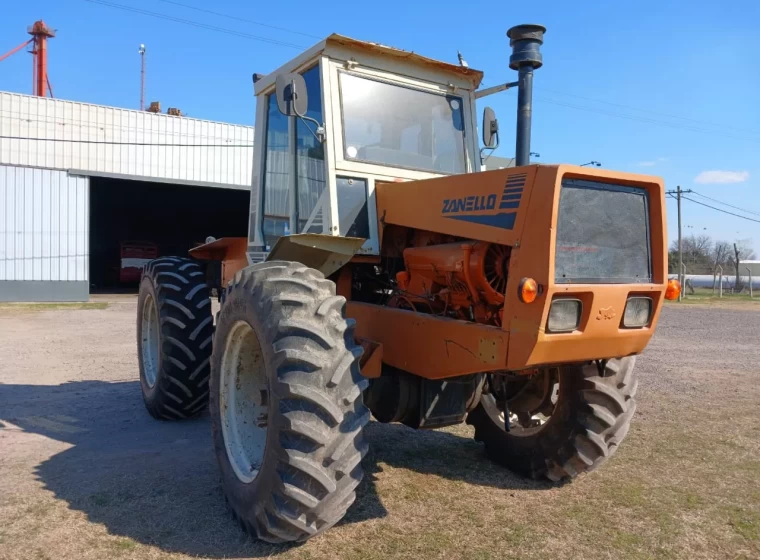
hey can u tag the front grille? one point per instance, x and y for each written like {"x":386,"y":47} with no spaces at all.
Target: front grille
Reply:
{"x":602,"y":234}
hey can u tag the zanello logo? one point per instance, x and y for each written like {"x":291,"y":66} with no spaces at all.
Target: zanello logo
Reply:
{"x":490,"y":208}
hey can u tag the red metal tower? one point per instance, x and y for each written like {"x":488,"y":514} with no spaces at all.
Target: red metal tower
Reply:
{"x":40,"y":34}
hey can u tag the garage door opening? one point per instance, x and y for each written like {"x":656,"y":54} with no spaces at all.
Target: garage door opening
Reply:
{"x":135,"y":219}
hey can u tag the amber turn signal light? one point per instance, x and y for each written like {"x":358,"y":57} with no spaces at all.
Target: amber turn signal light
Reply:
{"x":528,"y":290}
{"x":673,"y":289}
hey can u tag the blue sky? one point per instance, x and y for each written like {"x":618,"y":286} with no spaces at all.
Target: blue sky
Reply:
{"x":667,"y":88}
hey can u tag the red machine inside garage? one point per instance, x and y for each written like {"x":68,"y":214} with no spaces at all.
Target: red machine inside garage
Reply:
{"x":134,"y":256}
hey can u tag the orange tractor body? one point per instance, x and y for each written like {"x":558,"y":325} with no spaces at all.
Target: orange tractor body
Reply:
{"x":457,"y":307}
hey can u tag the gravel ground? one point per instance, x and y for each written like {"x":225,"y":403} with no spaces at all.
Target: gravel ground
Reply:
{"x":86,"y":473}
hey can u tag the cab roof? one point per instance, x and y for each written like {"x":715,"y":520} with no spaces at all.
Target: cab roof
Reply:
{"x":476,"y":76}
{"x":336,"y":45}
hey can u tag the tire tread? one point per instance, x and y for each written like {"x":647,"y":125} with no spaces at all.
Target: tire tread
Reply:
{"x":319,"y":414}
{"x":178,"y":296}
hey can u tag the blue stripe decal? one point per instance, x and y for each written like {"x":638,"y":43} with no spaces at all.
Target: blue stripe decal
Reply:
{"x":502,"y":220}
{"x":519,"y":183}
{"x":513,"y":190}
{"x":504,"y":205}
{"x":516,"y":196}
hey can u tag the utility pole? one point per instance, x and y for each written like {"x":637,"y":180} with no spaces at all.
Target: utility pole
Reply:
{"x":142,"y":77}
{"x":681,"y":276}
{"x":681,"y":279}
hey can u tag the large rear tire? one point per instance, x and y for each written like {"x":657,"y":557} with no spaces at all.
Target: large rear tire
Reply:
{"x":591,"y":417}
{"x":286,"y":402}
{"x":174,"y":338}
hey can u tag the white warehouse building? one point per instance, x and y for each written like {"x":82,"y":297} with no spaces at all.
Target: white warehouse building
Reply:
{"x":87,"y":191}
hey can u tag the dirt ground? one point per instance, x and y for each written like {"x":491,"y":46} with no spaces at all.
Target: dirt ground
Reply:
{"x":85,"y":473}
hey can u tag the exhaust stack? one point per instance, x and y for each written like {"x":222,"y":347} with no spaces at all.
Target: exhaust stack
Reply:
{"x":526,"y":41}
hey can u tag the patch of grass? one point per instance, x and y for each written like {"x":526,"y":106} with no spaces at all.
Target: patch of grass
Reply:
{"x":745,"y":523}
{"x":629,"y":494}
{"x":517,"y":535}
{"x":693,"y":501}
{"x":38,"y":510}
{"x":626,"y":541}
{"x":100,"y":499}
{"x":53,"y":306}
{"x":706,"y":296}
{"x":123,"y":544}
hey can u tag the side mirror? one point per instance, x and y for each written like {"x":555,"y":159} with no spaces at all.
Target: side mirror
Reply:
{"x":292,"y":99}
{"x":490,"y":128}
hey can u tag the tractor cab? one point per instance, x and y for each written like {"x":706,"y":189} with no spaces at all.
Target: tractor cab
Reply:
{"x":344,"y":116}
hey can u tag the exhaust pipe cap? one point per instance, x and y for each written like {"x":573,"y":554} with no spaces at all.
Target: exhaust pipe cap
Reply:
{"x":526,"y":41}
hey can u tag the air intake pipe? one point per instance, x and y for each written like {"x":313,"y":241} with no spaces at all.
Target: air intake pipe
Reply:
{"x":526,"y":41}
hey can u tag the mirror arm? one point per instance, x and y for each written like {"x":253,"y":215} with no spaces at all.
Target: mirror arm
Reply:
{"x":490,"y":153}
{"x":320,"y":133}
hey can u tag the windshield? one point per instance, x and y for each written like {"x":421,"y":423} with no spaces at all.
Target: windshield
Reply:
{"x":402,"y":127}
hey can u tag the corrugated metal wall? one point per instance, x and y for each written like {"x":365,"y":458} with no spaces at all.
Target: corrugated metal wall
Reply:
{"x":71,"y":135}
{"x":44,"y":221}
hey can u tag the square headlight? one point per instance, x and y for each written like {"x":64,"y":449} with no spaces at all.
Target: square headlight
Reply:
{"x":638,"y":311}
{"x":564,"y":315}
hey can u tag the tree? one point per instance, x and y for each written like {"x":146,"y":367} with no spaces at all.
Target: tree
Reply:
{"x":702,"y":255}
{"x":742,"y":250}
{"x":720,"y":253}
{"x":697,"y":250}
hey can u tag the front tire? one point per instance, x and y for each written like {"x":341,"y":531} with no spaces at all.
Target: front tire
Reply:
{"x":174,"y":336}
{"x":286,"y":406}
{"x":591,"y":416}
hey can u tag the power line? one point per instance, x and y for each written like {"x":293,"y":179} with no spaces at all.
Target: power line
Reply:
{"x":636,"y":118}
{"x":195,"y":24}
{"x":720,"y":209}
{"x":726,"y":204}
{"x":236,"y":18}
{"x":71,"y":141}
{"x":647,"y":111}
{"x":649,"y":120}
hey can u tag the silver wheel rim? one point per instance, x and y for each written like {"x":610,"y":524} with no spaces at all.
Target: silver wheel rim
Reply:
{"x":151,"y":341}
{"x":243,"y":401}
{"x":497,"y":416}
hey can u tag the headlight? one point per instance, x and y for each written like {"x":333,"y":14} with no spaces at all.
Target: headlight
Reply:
{"x":564,"y":315}
{"x":637,"y":312}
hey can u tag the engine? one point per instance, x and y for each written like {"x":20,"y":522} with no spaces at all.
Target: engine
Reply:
{"x":461,"y":279}
{"x":465,"y":279}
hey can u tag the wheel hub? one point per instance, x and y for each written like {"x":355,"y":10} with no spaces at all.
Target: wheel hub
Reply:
{"x":529,"y":406}
{"x":244,"y":401}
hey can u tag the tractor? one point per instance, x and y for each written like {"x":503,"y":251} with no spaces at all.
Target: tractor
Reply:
{"x":386,"y":272}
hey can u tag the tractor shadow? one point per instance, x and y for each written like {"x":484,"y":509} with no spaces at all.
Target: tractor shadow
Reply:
{"x":157,"y":482}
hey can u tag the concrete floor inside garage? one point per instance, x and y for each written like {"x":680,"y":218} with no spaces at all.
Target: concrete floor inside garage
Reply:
{"x":174,"y":217}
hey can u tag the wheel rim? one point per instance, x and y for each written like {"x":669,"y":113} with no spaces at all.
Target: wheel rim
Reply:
{"x":151,"y":341}
{"x":243,"y":401}
{"x":521,"y":423}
